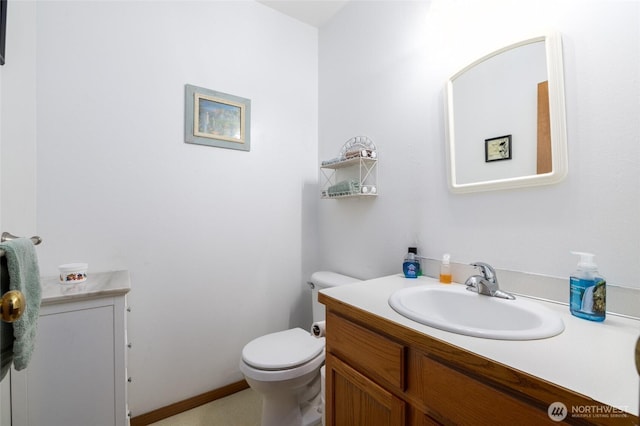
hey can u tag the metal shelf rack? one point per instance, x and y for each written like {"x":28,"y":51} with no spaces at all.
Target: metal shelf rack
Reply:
{"x":354,"y":173}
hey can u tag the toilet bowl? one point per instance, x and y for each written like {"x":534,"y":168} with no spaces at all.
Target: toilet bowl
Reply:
{"x":284,"y":367}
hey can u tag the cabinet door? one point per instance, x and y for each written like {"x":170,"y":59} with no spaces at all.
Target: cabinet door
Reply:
{"x":70,"y":379}
{"x":353,"y":399}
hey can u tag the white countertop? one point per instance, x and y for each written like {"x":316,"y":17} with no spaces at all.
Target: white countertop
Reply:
{"x":100,"y":284}
{"x":594,"y":359}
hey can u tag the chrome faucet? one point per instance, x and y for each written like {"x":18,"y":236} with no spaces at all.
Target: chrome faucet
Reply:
{"x":487,"y":283}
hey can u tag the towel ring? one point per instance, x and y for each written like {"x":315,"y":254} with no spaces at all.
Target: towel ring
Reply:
{"x":12,"y":303}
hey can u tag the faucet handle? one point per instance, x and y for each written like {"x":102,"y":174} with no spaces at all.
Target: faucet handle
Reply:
{"x":472,"y":283}
{"x":487,"y":270}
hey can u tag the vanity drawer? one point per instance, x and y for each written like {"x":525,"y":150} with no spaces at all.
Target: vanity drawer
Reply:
{"x":375,"y":355}
{"x":454,"y":397}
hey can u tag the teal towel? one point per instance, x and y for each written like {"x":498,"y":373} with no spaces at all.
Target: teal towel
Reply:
{"x":24,"y":275}
{"x":345,"y":187}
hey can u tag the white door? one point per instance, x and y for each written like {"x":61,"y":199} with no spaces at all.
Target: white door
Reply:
{"x":18,"y":138}
{"x":5,"y":419}
{"x":5,"y":398}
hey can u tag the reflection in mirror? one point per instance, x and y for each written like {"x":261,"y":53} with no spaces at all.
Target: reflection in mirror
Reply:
{"x":506,"y":119}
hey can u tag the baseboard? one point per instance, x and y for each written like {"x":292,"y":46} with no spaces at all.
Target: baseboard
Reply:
{"x":188,"y":404}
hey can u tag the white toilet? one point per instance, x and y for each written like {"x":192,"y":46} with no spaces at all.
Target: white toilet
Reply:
{"x":284,"y":367}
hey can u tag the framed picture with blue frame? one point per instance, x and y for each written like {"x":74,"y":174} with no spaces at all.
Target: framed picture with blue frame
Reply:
{"x":217,"y":119}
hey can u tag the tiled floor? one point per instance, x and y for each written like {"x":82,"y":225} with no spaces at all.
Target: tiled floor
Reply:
{"x":240,"y":409}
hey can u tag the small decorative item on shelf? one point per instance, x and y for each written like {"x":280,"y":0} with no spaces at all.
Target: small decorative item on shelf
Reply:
{"x":369,"y":189}
{"x":353,"y":172}
{"x":73,"y":273}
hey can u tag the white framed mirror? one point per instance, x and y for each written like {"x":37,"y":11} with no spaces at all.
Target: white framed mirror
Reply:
{"x":506,"y":124}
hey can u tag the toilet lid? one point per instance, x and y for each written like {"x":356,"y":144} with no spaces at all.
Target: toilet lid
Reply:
{"x":282,"y":350}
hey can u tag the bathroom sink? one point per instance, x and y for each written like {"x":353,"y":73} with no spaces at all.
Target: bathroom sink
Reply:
{"x":453,"y":308}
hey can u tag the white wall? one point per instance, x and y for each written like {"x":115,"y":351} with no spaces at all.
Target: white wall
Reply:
{"x":213,"y":238}
{"x":383,"y":67}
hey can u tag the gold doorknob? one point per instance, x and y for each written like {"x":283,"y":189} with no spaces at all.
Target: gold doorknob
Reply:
{"x":12,"y":306}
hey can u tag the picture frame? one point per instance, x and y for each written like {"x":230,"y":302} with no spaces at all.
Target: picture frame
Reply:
{"x":498,"y":149}
{"x":217,"y":119}
{"x":3,"y":30}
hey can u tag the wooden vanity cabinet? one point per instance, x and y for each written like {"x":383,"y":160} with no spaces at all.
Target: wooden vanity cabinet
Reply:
{"x":379,"y":373}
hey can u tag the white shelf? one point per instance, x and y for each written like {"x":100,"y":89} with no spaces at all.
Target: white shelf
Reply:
{"x":354,"y":173}
{"x":348,"y":162}
{"x":347,"y":195}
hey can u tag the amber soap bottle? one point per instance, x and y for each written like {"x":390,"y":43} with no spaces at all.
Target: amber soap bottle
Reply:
{"x":445,"y":269}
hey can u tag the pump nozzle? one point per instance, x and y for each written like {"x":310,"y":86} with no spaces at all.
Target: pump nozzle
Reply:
{"x":445,"y":259}
{"x":586,"y":260}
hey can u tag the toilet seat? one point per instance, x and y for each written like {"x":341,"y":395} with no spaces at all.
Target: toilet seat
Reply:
{"x":282,"y":350}
{"x":282,"y":355}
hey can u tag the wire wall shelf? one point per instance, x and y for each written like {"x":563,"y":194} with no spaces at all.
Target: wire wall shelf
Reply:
{"x":353,"y":173}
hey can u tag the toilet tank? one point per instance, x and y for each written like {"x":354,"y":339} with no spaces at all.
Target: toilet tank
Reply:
{"x":321,"y":280}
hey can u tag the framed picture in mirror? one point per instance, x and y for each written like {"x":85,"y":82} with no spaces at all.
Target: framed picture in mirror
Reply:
{"x":496,"y":149}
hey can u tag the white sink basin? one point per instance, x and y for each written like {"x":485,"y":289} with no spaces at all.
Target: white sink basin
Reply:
{"x":453,"y":308}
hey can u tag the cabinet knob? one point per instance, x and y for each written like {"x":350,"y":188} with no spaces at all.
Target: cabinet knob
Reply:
{"x":12,"y":306}
{"x":129,"y":345}
{"x":129,"y":379}
{"x":128,"y":308}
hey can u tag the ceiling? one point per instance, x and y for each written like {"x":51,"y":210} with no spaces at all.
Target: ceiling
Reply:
{"x":313,"y":12}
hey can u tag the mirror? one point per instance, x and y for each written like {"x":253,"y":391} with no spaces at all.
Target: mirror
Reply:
{"x":506,"y":125}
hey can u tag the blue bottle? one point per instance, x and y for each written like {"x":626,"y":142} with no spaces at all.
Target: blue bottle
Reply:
{"x":411,"y":265}
{"x":588,"y":290}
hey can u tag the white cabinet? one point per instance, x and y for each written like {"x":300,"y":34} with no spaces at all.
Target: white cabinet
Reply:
{"x":77,"y":375}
